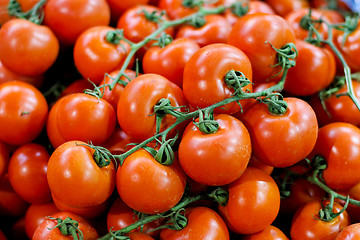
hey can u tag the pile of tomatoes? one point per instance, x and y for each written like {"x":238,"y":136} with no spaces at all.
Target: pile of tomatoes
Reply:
{"x":179,"y":119}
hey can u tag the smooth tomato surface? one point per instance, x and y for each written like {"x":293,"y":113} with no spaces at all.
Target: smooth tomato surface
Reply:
{"x":269,"y":233}
{"x":351,"y":232}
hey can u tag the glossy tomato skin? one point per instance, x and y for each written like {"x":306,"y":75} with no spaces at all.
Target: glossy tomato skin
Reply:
{"x":45,"y":231}
{"x":217,"y":158}
{"x":281,"y":141}
{"x":139,"y":236}
{"x":11,"y":204}
{"x":120,"y":216}
{"x":72,"y":169}
{"x":86,"y":118}
{"x":204,"y":73}
{"x":215,"y":30}
{"x":283,"y":7}
{"x":23,"y":112}
{"x":118,"y":7}
{"x":175,"y":8}
{"x":148,"y":186}
{"x":320,"y":70}
{"x":338,"y":143}
{"x":27,"y":48}
{"x":203,"y":223}
{"x":306,"y":225}
{"x":254,"y":202}
{"x":36,"y":214}
{"x":250,"y":33}
{"x":94,"y":55}
{"x":52,"y":130}
{"x":269,"y":233}
{"x":135,"y":110}
{"x":7,"y":76}
{"x":340,"y":108}
{"x":60,"y":16}
{"x":351,"y":232}
{"x":27,"y":173}
{"x":170,"y":61}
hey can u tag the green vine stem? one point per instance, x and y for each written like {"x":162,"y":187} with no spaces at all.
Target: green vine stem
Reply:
{"x":34,"y":15}
{"x":68,"y":227}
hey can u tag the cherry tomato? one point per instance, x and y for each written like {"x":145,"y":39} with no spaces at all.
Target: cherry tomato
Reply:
{"x":27,"y":173}
{"x":86,"y":118}
{"x":306,"y":224}
{"x":351,"y":232}
{"x":23,"y":112}
{"x":282,"y":140}
{"x":320,"y":70}
{"x":341,"y":108}
{"x":217,"y":158}
{"x":204,"y":74}
{"x":170,"y":61}
{"x":60,"y":16}
{"x":112,"y":96}
{"x":6,"y":76}
{"x":255,"y":42}
{"x":148,"y":186}
{"x":254,"y":202}
{"x":135,"y":110}
{"x":269,"y":233}
{"x":342,"y":156}
{"x":11,"y":204}
{"x":94,"y":55}
{"x":46,"y":229}
{"x":294,"y":19}
{"x":36,"y":214}
{"x":118,"y":7}
{"x":52,"y":130}
{"x":203,"y":223}
{"x":283,"y":7}
{"x":176,"y":9}
{"x":27,"y":48}
{"x":4,"y":159}
{"x":120,"y":216}
{"x":215,"y":30}
{"x":75,"y":179}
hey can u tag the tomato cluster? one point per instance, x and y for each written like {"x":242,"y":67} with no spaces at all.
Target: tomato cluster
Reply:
{"x":179,"y":119}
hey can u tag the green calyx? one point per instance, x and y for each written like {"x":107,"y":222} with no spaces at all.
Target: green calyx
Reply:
{"x":276,"y":104}
{"x":239,"y":8}
{"x":236,"y":80}
{"x":220,"y":195}
{"x":206,"y":123}
{"x":35,"y":15}
{"x":68,"y":227}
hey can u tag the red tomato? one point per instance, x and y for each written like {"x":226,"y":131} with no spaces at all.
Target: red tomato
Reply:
{"x":170,"y":61}
{"x":215,"y":30}
{"x":353,"y":210}
{"x":36,"y":214}
{"x":118,"y":7}
{"x":217,"y":158}
{"x":25,"y":5}
{"x":120,"y":216}
{"x":148,"y":186}
{"x":350,"y":49}
{"x":204,"y":74}
{"x":340,"y":108}
{"x":77,"y":86}
{"x":4,"y":159}
{"x":203,"y":223}
{"x":112,"y":96}
{"x":52,"y":130}
{"x":256,"y":163}
{"x":351,"y":232}
{"x":175,"y":8}
{"x":94,"y":55}
{"x":282,"y":140}
{"x":306,"y":225}
{"x":2,"y":236}
{"x":320,"y":70}
{"x":283,"y":7}
{"x":294,"y":19}
{"x":11,"y":204}
{"x":75,"y":179}
{"x":139,"y":236}
{"x":338,"y":143}
{"x":45,"y":229}
{"x":23,"y":112}
{"x":85,"y":118}
{"x":27,"y":48}
{"x":135,"y":110}
{"x":254,"y":202}
{"x":118,"y":142}
{"x":6,"y":76}
{"x":250,"y":33}
{"x":86,"y":212}
{"x":27,"y":173}
{"x":269,"y":233}
{"x":136,"y":26}
{"x":60,"y":16}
